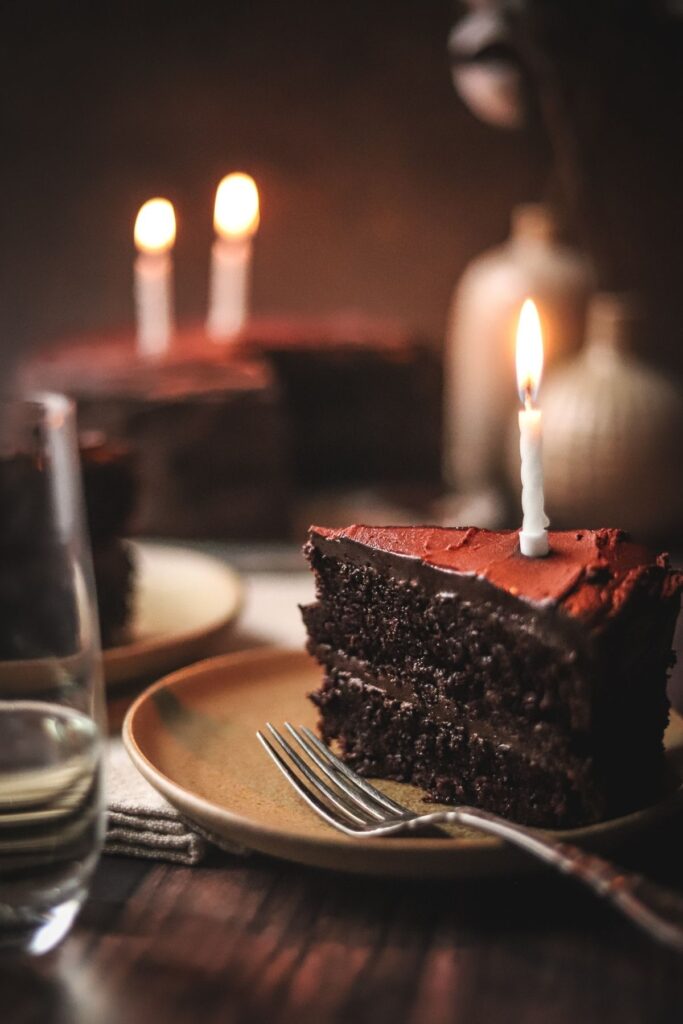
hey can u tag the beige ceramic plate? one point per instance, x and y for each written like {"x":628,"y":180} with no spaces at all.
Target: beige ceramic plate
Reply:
{"x":184,"y":601}
{"x":192,"y":735}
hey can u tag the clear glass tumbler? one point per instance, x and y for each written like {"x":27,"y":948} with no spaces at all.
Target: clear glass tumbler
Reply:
{"x":51,"y":695}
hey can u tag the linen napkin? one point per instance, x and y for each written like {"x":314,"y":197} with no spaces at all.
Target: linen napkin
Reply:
{"x":141,"y":823}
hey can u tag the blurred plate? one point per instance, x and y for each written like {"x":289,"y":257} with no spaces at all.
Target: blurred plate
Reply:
{"x":192,"y":735}
{"x":184,"y":602}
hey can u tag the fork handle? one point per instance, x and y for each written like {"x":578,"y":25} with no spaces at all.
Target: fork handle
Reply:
{"x":656,"y":910}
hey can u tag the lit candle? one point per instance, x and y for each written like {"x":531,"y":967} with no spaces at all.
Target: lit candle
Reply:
{"x":236,"y":218}
{"x":533,"y":537}
{"x":154,"y":234}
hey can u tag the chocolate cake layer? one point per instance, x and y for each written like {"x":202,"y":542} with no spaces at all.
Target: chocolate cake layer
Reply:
{"x":457,"y":759}
{"x":555,"y":667}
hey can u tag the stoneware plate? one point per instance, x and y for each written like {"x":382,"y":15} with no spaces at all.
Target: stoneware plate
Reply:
{"x":184,"y":602}
{"x":192,"y":735}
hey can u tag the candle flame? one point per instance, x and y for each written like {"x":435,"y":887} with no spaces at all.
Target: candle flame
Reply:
{"x":529,"y":352}
{"x":155,"y":227}
{"x":236,"y":213}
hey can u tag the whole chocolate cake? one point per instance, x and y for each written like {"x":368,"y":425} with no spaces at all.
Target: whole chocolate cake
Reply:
{"x":207,"y":431}
{"x":531,"y":687}
{"x":220,"y":431}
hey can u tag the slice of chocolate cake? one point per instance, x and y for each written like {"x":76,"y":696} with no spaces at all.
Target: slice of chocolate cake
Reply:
{"x":39,"y":616}
{"x":531,"y":687}
{"x":38,"y":612}
{"x":109,"y":489}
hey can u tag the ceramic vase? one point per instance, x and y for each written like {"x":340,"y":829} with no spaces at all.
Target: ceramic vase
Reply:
{"x":612,"y":434}
{"x":480,"y":389}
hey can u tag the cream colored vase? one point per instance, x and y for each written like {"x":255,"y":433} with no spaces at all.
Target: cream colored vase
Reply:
{"x":612,"y":435}
{"x":480,"y":390}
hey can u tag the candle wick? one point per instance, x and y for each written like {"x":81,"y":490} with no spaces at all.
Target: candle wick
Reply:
{"x":528,"y":403}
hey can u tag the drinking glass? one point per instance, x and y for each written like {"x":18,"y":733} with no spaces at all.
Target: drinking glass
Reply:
{"x":51,"y":696}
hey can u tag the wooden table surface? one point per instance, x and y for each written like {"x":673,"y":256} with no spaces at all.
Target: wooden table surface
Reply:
{"x":251,"y":940}
{"x":256,"y":940}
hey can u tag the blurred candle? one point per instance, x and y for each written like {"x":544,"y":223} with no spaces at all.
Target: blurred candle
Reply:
{"x":155,"y":231}
{"x":236,"y":219}
{"x":533,"y":537}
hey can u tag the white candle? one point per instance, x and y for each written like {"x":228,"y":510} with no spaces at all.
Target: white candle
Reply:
{"x":533,"y":537}
{"x":236,"y":218}
{"x":155,"y":231}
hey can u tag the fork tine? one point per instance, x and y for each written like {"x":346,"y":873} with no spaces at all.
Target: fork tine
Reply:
{"x":353,"y":791}
{"x":311,"y":799}
{"x":376,"y":794}
{"x":350,"y":813}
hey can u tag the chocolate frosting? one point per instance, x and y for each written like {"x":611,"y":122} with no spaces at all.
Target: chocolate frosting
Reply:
{"x":588,"y":573}
{"x":109,"y":366}
{"x":110,"y":363}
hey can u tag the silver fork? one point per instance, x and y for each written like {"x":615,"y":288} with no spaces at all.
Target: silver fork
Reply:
{"x":349,"y":803}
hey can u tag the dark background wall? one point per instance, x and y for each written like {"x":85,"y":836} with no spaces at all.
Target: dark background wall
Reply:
{"x":377,"y":184}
